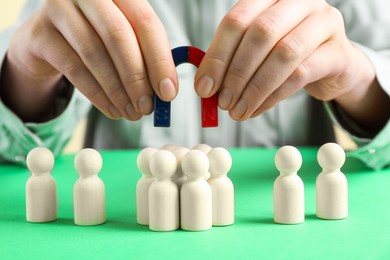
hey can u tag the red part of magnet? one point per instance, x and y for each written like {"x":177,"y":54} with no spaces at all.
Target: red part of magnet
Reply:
{"x":209,"y":106}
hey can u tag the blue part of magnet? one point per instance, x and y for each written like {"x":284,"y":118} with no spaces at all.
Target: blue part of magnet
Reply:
{"x":162,"y":112}
{"x":162,"y":109}
{"x":180,"y":55}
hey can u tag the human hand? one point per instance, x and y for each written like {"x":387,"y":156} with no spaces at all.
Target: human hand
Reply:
{"x":106,"y":49}
{"x":265,"y":51}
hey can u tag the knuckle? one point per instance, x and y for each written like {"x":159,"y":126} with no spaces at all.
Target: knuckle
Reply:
{"x":237,"y":72}
{"x":116,"y":30}
{"x":87,"y":50}
{"x":147,"y":19}
{"x":301,"y":74}
{"x":160,"y":63}
{"x":334,"y":13}
{"x":256,"y":88}
{"x":265,"y":28}
{"x":235,"y":20}
{"x":118,"y":97}
{"x":71,"y":67}
{"x":216,"y":59}
{"x":38,"y":29}
{"x":136,"y":79}
{"x":117,"y":34}
{"x":96,"y":95}
{"x":113,"y":88}
{"x":288,"y":49}
{"x":333,"y":16}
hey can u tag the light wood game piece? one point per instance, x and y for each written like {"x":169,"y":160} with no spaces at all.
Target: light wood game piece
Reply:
{"x":202,"y":147}
{"x":205,"y":148}
{"x":179,"y":178}
{"x":41,"y":189}
{"x":163,"y":193}
{"x":331,"y":183}
{"x":89,"y":196}
{"x":168,"y":147}
{"x":289,"y":203}
{"x":195,"y":194}
{"x":143,"y":185}
{"x":222,"y":188}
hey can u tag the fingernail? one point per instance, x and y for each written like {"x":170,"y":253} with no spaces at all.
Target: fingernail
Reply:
{"x":167,"y":89}
{"x":205,"y":85}
{"x":239,"y":109}
{"x":130,"y":111}
{"x":225,"y":98}
{"x":145,"y":104}
{"x":114,"y":112}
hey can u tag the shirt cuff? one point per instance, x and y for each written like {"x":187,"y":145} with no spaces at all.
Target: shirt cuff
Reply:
{"x":18,"y":138}
{"x":373,"y":151}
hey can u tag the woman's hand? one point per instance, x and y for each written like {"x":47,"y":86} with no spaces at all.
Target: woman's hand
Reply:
{"x":115,"y":52}
{"x":265,"y":51}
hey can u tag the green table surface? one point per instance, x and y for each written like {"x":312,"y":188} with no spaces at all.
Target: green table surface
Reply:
{"x":364,"y":235}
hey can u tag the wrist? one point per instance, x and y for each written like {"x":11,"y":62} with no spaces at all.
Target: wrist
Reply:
{"x":30,"y":98}
{"x":366,"y":103}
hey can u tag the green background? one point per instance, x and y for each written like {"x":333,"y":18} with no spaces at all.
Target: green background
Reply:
{"x":364,"y":235}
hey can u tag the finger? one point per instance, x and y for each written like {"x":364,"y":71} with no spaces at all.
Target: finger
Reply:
{"x":211,"y":71}
{"x":261,"y":36}
{"x":121,"y":44}
{"x":285,"y":57}
{"x":69,"y":64}
{"x":293,"y":84}
{"x":84,"y":40}
{"x":155,"y":48}
{"x":323,"y":63}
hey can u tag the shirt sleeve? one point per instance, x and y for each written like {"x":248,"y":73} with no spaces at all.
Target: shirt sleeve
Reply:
{"x":18,"y":138}
{"x":373,"y":150}
{"x":368,"y":27}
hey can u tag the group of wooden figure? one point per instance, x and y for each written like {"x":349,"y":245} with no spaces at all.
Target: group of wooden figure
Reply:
{"x":187,"y":189}
{"x":164,"y":173}
{"x":331,"y":185}
{"x":89,"y":196}
{"x":183,"y":188}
